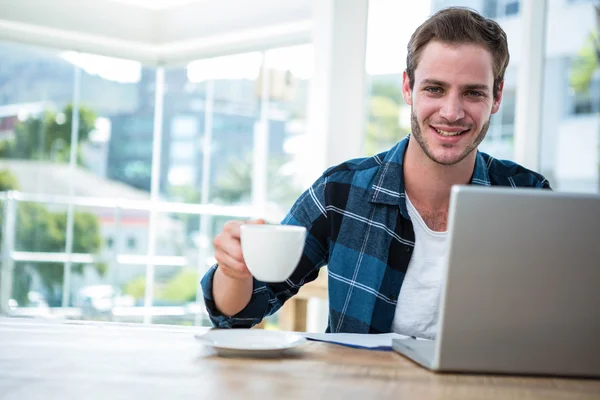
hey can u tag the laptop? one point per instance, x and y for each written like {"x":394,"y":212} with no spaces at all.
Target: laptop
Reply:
{"x":522,"y":288}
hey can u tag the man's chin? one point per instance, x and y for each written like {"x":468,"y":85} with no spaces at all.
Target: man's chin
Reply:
{"x":448,"y":157}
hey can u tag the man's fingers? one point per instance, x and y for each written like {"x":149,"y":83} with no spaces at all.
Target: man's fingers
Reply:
{"x":231,"y":267}
{"x":259,"y":221}
{"x":230,"y":246}
{"x":233,"y":227}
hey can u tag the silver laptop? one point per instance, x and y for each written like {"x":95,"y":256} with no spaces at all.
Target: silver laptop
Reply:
{"x":522,"y":290}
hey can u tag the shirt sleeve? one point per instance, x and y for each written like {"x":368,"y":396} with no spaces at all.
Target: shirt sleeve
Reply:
{"x":544,"y":184}
{"x":308,"y":211}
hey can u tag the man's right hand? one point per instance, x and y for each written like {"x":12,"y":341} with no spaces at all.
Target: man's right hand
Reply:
{"x":228,"y":250}
{"x":232,"y":282}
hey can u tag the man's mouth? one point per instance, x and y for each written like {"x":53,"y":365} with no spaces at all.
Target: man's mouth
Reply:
{"x":447,"y":133}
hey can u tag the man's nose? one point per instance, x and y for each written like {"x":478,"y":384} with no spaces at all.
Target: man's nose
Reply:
{"x":452,"y":109}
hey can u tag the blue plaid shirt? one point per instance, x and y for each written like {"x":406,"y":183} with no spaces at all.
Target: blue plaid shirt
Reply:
{"x":358,"y":226}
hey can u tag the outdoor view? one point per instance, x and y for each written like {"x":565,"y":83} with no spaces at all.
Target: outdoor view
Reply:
{"x":213,"y":111}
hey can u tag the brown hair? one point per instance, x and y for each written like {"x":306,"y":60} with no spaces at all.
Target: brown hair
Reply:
{"x":459,"y":25}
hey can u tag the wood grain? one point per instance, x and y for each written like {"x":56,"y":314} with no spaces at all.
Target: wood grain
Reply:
{"x":42,"y":360}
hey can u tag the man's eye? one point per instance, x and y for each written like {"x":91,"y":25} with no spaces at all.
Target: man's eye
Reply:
{"x":474,"y":93}
{"x":433,"y":89}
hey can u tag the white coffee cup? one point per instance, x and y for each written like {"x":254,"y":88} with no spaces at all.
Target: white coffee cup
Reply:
{"x":272,"y":252}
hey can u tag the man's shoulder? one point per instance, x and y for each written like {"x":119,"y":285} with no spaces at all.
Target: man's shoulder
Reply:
{"x":509,"y":173}
{"x":355,"y":168}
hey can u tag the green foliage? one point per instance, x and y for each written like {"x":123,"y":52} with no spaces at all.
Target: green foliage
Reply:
{"x":48,"y":137}
{"x":41,"y":230}
{"x":588,"y":59}
{"x":136,"y":287}
{"x":181,"y":288}
{"x":586,"y":63}
{"x":8,"y":181}
{"x":383,"y":126}
{"x":387,"y":90}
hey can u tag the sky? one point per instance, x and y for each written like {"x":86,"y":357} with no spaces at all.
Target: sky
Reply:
{"x":391,"y":22}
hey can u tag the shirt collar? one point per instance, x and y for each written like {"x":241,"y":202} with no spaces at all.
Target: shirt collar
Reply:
{"x":388,"y":185}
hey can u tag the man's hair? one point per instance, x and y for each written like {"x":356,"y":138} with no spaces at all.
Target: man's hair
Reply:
{"x":459,"y":25}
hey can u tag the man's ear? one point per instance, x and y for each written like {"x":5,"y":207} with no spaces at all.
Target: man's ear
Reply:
{"x":498,"y":99}
{"x":406,"y":91}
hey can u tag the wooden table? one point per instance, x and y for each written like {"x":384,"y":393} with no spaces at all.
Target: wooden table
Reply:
{"x":54,"y":360}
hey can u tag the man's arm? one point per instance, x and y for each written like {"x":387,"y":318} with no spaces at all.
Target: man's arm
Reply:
{"x":234,"y":298}
{"x":232,"y":281}
{"x":231,"y":295}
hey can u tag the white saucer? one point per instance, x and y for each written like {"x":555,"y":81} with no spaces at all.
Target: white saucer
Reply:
{"x":250,"y":342}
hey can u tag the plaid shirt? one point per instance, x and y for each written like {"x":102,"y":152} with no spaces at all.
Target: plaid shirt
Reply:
{"x":358,"y":226}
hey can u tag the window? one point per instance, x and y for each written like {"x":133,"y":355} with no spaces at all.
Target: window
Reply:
{"x":499,"y":141}
{"x":109,"y":242}
{"x":570,"y":148}
{"x":389,"y":28}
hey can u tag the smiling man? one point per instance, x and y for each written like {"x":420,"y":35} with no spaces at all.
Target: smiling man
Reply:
{"x":379,"y":223}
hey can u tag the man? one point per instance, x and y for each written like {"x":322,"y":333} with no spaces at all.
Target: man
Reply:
{"x":380,"y":223}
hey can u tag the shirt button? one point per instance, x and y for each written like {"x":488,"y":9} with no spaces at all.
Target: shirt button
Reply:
{"x":407,"y":249}
{"x":393,"y":297}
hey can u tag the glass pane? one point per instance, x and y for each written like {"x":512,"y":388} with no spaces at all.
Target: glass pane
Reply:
{"x":174,"y":299}
{"x":40,"y":227}
{"x":390,"y":26}
{"x":117,"y":116}
{"x":37,"y":287}
{"x":214,"y":99}
{"x":36,"y":90}
{"x":98,"y":293}
{"x":290,"y":72}
{"x":175,"y":234}
{"x":570,"y":153}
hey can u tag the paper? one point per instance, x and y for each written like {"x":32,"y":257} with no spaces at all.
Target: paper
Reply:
{"x":382,"y":341}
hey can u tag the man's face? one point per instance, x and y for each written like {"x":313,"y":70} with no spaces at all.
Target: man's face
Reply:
{"x":451,"y":100}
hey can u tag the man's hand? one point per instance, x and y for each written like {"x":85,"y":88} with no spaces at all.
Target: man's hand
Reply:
{"x":228,"y":250}
{"x":232,"y":282}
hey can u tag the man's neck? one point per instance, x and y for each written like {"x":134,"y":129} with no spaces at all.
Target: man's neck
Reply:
{"x":428,"y":183}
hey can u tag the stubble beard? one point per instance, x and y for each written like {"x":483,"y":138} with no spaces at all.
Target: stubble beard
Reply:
{"x":418,"y":135}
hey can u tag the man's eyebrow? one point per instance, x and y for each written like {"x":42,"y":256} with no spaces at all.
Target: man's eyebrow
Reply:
{"x":469,"y":86}
{"x":476,"y":86}
{"x":433,"y":82}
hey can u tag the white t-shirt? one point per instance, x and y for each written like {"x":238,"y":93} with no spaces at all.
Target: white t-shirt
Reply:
{"x":417,"y":307}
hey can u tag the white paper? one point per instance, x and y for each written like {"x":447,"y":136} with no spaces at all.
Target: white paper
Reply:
{"x":368,"y":341}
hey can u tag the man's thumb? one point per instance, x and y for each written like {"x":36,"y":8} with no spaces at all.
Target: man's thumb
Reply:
{"x":259,"y":221}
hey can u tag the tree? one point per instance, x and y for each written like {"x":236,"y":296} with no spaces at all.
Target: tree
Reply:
{"x":383,"y":126}
{"x":48,"y":136}
{"x":41,"y":230}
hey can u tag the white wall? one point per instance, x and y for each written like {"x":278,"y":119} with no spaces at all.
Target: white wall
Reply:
{"x":96,"y":17}
{"x":205,"y":19}
{"x":176,"y":34}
